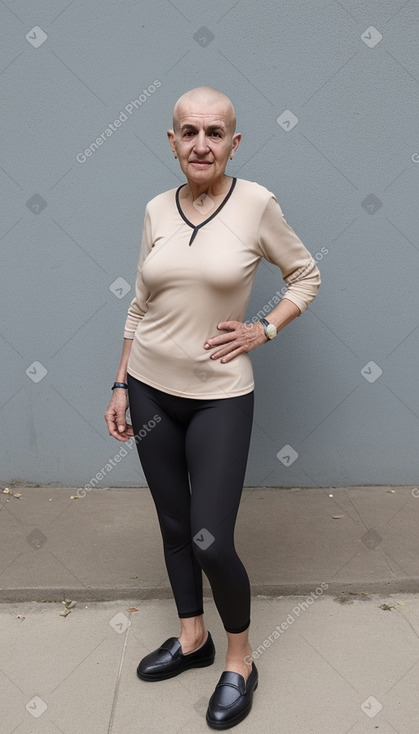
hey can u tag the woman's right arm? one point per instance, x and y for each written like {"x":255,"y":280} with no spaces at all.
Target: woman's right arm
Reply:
{"x":115,"y":415}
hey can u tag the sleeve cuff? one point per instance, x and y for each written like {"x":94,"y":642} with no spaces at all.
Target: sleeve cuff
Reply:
{"x":302,"y":305}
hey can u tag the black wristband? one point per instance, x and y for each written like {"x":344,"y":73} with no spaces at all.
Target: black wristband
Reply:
{"x":119,"y":384}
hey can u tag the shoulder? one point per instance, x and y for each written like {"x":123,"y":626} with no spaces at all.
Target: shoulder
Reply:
{"x":255,"y":192}
{"x":161,"y":201}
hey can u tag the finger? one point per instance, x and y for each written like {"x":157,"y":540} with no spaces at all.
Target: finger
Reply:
{"x":231,"y":355}
{"x":215,"y":341}
{"x":128,"y":433}
{"x":113,"y":431}
{"x":121,"y":422}
{"x":237,"y":347}
{"x":110,"y":421}
{"x":228,"y":325}
{"x":115,"y":420}
{"x":122,"y":436}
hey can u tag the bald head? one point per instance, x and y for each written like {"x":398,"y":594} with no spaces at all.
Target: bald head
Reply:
{"x":204,"y":100}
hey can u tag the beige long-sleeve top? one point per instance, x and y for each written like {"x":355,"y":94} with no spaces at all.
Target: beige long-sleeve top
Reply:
{"x":190,"y":278}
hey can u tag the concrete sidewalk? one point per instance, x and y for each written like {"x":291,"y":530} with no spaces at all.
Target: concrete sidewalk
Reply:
{"x":334,"y":633}
{"x":107,"y":545}
{"x":339,"y":668}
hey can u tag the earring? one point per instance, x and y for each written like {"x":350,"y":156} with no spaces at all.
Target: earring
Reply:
{"x":175,"y":155}
{"x":231,"y":157}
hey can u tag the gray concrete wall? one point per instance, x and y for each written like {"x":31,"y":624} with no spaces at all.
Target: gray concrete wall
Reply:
{"x":327,"y":101}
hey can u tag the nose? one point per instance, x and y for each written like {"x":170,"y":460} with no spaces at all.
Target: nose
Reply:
{"x":201,"y":145}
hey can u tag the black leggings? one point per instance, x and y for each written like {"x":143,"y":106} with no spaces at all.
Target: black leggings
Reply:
{"x":194,"y":454}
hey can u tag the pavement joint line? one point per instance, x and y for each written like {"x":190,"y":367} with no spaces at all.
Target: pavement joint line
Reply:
{"x":118,"y":677}
{"x":401,"y":677}
{"x":330,"y":664}
{"x":11,"y":681}
{"x":384,"y":555}
{"x":415,"y":632}
{"x":57,"y":727}
{"x":78,"y":665}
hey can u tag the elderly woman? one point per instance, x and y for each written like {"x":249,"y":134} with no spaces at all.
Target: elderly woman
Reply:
{"x":185,"y":371}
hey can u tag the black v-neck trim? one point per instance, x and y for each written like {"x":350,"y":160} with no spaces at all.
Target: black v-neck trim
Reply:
{"x":196,"y":227}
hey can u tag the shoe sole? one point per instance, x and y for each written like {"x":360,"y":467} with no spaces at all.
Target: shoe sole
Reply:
{"x":173,"y":673}
{"x":235,"y":720}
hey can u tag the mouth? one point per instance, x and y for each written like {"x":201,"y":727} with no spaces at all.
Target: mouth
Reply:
{"x":201,"y":163}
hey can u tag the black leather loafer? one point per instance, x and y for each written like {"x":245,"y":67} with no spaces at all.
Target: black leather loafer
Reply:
{"x":232,"y":699}
{"x":168,"y":660}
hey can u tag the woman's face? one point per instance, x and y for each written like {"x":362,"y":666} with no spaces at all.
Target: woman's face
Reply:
{"x":204,"y":140}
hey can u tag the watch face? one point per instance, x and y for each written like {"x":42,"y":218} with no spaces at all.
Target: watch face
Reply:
{"x":271,"y":331}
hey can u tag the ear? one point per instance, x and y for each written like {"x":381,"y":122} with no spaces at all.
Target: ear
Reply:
{"x":235,"y":142}
{"x":171,"y":136}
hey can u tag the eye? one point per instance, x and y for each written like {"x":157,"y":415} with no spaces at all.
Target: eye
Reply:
{"x":215,"y":134}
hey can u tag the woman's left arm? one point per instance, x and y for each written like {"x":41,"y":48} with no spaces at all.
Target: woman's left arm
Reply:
{"x":280,"y":245}
{"x":242,"y":337}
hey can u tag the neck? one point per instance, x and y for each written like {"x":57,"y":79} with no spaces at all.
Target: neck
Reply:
{"x":213,"y":189}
